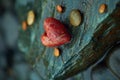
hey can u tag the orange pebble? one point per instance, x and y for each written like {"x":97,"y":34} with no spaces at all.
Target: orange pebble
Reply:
{"x":24,"y":25}
{"x":102,"y":8}
{"x":56,"y":52}
{"x":59,"y":8}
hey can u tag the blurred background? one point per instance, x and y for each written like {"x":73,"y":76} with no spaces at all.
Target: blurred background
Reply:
{"x":13,"y":65}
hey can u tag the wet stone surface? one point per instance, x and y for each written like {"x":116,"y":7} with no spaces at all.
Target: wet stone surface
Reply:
{"x":41,"y":57}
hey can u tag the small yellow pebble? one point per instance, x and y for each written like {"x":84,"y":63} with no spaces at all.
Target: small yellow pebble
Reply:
{"x":56,"y":52}
{"x":24,"y":25}
{"x":30,"y":17}
{"x":75,"y":17}
{"x":102,"y":8}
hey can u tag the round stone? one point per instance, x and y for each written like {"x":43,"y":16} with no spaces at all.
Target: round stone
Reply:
{"x":102,"y":8}
{"x":30,"y":17}
{"x":75,"y":17}
{"x":24,"y":25}
{"x":59,"y":8}
{"x":56,"y":52}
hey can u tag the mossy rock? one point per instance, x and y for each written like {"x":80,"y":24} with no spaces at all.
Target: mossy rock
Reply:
{"x":90,"y":40}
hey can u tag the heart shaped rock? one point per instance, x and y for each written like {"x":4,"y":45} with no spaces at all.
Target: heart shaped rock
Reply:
{"x":55,"y":33}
